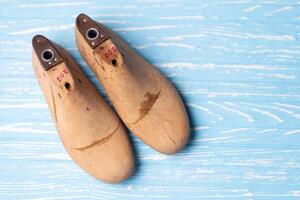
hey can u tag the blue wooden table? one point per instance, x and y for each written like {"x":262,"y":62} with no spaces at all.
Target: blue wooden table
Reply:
{"x":236,"y":64}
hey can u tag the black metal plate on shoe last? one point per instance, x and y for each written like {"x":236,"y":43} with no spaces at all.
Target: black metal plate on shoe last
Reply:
{"x":84,"y":24}
{"x":46,"y":52}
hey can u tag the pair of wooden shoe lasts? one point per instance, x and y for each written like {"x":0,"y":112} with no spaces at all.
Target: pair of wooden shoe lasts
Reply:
{"x":90,"y":130}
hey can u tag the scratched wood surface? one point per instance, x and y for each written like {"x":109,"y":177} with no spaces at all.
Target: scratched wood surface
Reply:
{"x":236,"y":64}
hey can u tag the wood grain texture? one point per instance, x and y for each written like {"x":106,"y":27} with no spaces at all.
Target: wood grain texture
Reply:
{"x":236,"y":64}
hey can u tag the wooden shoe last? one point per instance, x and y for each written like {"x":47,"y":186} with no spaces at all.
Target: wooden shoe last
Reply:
{"x":90,"y":130}
{"x":145,"y":100}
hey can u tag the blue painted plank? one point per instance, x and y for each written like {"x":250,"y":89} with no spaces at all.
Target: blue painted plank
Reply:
{"x":235,"y":63}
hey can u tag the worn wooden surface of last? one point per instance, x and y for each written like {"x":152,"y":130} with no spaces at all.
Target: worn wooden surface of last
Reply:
{"x":235,"y":63}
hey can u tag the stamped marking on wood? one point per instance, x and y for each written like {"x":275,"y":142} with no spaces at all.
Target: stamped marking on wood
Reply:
{"x":62,"y":75}
{"x":112,"y":50}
